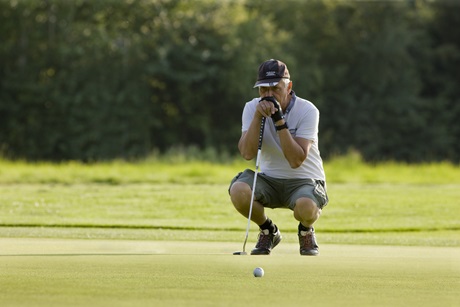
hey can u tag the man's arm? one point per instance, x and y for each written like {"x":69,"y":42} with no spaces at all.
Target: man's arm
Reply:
{"x":296,"y":149}
{"x":249,"y":139}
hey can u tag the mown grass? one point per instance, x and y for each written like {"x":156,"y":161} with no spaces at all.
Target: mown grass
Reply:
{"x":414,"y":204}
{"x":55,"y":272}
{"x":353,"y":208}
{"x":161,"y":232}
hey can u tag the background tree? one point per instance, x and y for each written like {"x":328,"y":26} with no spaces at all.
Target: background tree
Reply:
{"x":112,"y":79}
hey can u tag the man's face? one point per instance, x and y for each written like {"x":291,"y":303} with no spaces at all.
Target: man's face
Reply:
{"x":279,"y":91}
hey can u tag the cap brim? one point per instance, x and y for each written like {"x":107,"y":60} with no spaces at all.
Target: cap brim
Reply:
{"x":267,"y":82}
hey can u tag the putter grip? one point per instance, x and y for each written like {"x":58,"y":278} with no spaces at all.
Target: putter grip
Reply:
{"x":261,"y":134}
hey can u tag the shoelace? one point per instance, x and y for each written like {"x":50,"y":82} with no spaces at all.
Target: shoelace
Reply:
{"x":264,"y":240}
{"x":308,"y":241}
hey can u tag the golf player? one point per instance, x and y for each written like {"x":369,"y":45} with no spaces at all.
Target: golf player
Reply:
{"x":291,"y":169}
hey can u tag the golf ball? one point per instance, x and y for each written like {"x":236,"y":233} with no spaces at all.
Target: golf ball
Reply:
{"x":258,"y":272}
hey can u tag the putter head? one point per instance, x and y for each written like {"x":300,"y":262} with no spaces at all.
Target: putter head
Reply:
{"x":240,"y":253}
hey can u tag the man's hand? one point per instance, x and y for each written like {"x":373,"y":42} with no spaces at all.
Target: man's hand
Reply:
{"x":278,"y":115}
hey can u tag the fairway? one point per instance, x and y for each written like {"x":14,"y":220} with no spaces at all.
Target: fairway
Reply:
{"x":158,"y":234}
{"x":58,"y":272}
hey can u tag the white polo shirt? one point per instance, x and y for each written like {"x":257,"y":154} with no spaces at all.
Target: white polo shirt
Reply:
{"x":302,"y":118}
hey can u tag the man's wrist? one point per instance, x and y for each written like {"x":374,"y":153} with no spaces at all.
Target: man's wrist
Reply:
{"x":280,"y":125}
{"x":280,"y":122}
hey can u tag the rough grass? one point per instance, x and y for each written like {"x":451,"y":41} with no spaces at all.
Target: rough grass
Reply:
{"x":347,"y":169}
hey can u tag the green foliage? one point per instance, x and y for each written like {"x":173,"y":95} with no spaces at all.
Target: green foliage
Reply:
{"x":100,"y":80}
{"x":69,"y":86}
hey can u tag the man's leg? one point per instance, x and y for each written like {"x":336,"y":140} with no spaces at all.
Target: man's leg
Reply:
{"x":307,"y":213}
{"x":240,"y":194}
{"x":269,"y":236}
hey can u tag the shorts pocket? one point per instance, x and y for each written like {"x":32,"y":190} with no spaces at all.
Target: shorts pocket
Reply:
{"x":233,"y":181}
{"x":321,"y":195}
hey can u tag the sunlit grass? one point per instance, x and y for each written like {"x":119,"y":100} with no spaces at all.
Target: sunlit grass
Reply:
{"x":351,"y":169}
{"x":180,"y":169}
{"x":117,"y":172}
{"x":178,"y":193}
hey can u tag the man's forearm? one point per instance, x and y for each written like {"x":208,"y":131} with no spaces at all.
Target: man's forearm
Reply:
{"x":295,"y":151}
{"x":250,"y":139}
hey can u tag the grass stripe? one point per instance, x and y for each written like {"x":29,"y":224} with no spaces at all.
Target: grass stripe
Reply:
{"x":169,"y":227}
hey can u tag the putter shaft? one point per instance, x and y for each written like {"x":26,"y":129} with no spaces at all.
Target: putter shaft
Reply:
{"x":259,"y":150}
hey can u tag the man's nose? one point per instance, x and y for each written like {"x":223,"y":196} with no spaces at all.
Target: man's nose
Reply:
{"x":268,"y":93}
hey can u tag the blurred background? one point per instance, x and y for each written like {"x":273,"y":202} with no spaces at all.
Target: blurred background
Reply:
{"x":119,"y":79}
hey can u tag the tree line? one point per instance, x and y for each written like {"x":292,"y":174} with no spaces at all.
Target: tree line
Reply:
{"x":96,"y":80}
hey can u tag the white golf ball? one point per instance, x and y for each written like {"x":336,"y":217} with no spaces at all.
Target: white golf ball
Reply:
{"x":258,"y":272}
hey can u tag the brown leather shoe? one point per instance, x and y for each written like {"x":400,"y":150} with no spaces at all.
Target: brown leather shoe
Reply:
{"x":307,"y":242}
{"x":266,"y":242}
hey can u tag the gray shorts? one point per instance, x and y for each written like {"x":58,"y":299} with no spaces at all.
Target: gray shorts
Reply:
{"x":283,"y":193}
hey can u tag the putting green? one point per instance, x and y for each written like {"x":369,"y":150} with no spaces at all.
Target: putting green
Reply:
{"x":57,"y":272}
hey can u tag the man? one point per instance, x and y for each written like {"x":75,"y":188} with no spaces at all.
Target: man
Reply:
{"x":291,"y":169}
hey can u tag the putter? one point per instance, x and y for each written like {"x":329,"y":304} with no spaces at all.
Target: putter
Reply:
{"x":259,"y":150}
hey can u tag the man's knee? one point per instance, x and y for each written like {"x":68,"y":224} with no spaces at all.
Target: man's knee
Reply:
{"x":240,"y":193}
{"x":306,"y":209}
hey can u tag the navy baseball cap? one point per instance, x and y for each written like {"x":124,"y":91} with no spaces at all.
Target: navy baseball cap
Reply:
{"x":271,"y":72}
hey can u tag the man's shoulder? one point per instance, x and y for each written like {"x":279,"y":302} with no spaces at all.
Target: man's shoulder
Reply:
{"x":304,"y":104}
{"x":253,"y":101}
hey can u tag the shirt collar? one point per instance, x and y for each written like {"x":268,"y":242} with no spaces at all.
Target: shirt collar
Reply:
{"x":291,"y":102}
